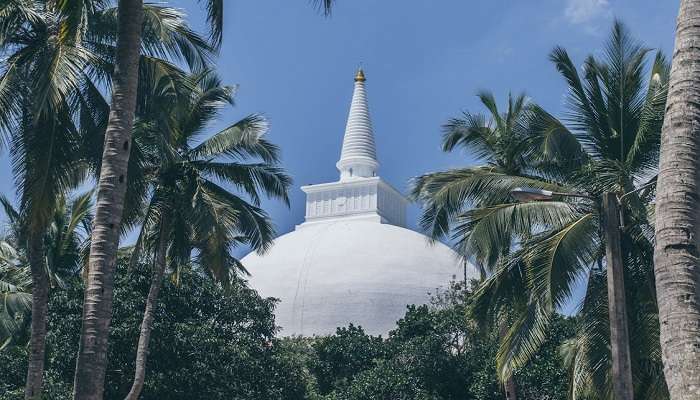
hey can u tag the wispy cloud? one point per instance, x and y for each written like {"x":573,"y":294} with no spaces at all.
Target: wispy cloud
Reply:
{"x":586,"y":11}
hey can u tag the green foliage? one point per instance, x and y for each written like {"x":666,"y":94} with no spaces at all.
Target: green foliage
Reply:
{"x":211,"y":342}
{"x":436,"y":353}
{"x":208,"y":342}
{"x":338,"y":358}
{"x":65,"y":244}
{"x":15,"y":294}
{"x":58,"y":60}
{"x":388,"y":380}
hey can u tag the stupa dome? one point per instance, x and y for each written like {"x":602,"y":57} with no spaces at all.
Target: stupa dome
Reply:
{"x":352,"y":260}
{"x":364,"y":272}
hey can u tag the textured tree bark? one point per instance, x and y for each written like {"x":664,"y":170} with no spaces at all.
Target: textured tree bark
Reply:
{"x":677,"y":220}
{"x":623,"y":387}
{"x":148,"y":315}
{"x":511,"y":389}
{"x":40,"y":300}
{"x":97,"y":307}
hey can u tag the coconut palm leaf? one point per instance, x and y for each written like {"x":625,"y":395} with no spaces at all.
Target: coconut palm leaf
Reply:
{"x":68,"y":231}
{"x":556,"y":260}
{"x":485,"y":232}
{"x":166,"y":35}
{"x":15,"y":294}
{"x":215,"y":18}
{"x":445,"y":195}
{"x":324,"y":5}
{"x":551,"y":144}
{"x":244,"y":138}
{"x":643,"y":154}
{"x":471,"y":131}
{"x":251,"y":178}
{"x":523,"y":339}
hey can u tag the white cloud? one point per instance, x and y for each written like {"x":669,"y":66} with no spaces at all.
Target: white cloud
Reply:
{"x":584,"y":11}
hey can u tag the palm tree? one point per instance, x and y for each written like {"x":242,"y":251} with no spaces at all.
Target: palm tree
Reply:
{"x":189,"y":210}
{"x":496,"y":138}
{"x":58,"y":57}
{"x":111,"y":189}
{"x":15,"y":279}
{"x":38,"y":80}
{"x":538,"y":251}
{"x":15,"y":284}
{"x":65,"y":241}
{"x":15,"y":293}
{"x":676,"y":249}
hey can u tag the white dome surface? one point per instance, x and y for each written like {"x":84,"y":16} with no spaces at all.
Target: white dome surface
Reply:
{"x":346,"y":271}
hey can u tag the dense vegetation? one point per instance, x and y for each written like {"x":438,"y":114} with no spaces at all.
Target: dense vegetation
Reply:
{"x":214,"y":343}
{"x":208,"y":342}
{"x":434,"y":353}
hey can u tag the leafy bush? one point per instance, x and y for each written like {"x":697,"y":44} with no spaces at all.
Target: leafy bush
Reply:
{"x":435,"y":353}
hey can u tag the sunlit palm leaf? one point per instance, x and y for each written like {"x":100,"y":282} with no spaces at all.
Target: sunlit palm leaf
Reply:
{"x":245,"y":138}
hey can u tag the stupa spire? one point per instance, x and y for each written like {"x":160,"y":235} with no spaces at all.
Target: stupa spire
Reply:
{"x":358,"y":158}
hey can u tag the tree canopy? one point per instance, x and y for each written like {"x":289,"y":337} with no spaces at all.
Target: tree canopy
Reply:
{"x":216,"y":342}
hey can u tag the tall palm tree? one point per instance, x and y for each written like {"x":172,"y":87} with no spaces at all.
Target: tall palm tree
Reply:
{"x":190,"y":210}
{"x":111,"y":189}
{"x":677,"y":223}
{"x":42,"y":74}
{"x":59,"y":55}
{"x":497,"y":139}
{"x":607,"y":142}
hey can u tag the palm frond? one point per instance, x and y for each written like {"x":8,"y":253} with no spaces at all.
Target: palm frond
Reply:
{"x":244,"y":138}
{"x":246,"y":220}
{"x":15,"y":292}
{"x":644,"y":150}
{"x":215,"y":17}
{"x":489,"y":101}
{"x":324,"y":5}
{"x":556,"y":260}
{"x":523,"y":339}
{"x":251,"y":178}
{"x":444,"y":195}
{"x":581,"y":116}
{"x":471,"y":131}
{"x":12,"y":86}
{"x":166,"y":35}
{"x":485,"y":233}
{"x":550,"y":142}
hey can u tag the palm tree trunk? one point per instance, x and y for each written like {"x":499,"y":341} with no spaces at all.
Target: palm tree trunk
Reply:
{"x":676,"y":250}
{"x":510,"y":387}
{"x":40,"y":300}
{"x":623,"y":386}
{"x":97,"y":307}
{"x":148,"y":314}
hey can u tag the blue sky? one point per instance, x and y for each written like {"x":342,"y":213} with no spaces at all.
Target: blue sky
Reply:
{"x":424,"y":64}
{"x":424,"y":61}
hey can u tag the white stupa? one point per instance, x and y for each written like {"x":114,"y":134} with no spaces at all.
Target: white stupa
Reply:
{"x":352,"y":260}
